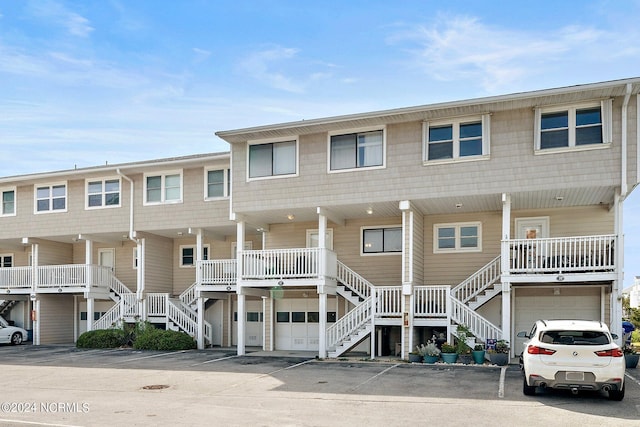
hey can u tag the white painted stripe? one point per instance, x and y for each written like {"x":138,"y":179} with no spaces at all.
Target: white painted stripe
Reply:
{"x":216,"y":360}
{"x":146,"y":357}
{"x":503,"y":373}
{"x":374,"y":377}
{"x":626,"y":374}
{"x":34,"y":423}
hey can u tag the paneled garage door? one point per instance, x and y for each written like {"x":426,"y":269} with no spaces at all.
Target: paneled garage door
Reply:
{"x":541,"y":303}
{"x":296,"y":324}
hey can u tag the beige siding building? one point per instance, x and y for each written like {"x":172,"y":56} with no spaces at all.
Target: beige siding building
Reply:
{"x":364,"y":233}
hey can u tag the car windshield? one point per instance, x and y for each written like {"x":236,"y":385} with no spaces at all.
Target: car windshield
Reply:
{"x":575,"y":337}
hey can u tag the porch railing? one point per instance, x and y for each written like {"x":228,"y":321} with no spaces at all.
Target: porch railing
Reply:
{"x":388,"y":301}
{"x":217,"y":272}
{"x":430,"y":301}
{"x":157,"y":304}
{"x":299,"y":263}
{"x":562,"y":254}
{"x":15,"y":277}
{"x":59,"y":276}
{"x":349,"y":323}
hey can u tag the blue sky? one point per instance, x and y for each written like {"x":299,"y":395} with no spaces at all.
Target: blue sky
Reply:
{"x":88,"y":82}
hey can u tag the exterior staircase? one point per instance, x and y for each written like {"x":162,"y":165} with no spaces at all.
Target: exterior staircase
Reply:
{"x":5,"y":307}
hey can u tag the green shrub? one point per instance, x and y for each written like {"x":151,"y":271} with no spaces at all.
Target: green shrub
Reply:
{"x":102,"y":338}
{"x":635,"y":336}
{"x":150,"y":338}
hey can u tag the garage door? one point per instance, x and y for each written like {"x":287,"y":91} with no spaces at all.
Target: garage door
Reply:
{"x":254,"y":323}
{"x":571,"y":303}
{"x":296,"y":324}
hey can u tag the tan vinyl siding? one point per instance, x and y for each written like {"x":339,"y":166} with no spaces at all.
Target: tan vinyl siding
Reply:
{"x":55,"y":253}
{"x":158,"y":264}
{"x":418,"y":249}
{"x":56,"y":319}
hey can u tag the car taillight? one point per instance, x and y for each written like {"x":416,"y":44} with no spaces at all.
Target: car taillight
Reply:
{"x":534,"y":349}
{"x":614,"y":352}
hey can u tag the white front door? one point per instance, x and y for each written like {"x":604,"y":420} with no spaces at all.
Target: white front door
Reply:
{"x":107,"y":258}
{"x":532,"y":228}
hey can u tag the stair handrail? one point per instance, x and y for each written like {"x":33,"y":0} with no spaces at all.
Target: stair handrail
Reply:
{"x":350,"y":322}
{"x":126,"y":307}
{"x":356,"y":283}
{"x":181,"y":319}
{"x":189,"y":295}
{"x":482,"y":328}
{"x":117,"y":286}
{"x":472,"y":286}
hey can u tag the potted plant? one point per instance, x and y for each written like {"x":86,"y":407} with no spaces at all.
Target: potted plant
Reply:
{"x":500,"y":355}
{"x":478,"y":354}
{"x":414,"y":357}
{"x":448,"y":354}
{"x":430,"y":352}
{"x":464,"y":333}
{"x":630,"y":356}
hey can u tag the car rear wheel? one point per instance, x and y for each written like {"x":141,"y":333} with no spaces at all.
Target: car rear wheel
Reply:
{"x":528,"y":390}
{"x":616,"y":395}
{"x":16,"y":338}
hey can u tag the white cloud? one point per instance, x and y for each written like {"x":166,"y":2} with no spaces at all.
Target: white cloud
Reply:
{"x":260,"y":66}
{"x":463,"y":48}
{"x":56,"y":13}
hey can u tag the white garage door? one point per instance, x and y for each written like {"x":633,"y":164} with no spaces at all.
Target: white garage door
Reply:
{"x":254,"y":323}
{"x":296,"y":324}
{"x":571,"y":303}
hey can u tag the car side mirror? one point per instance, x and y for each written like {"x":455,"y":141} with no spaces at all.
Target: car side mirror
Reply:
{"x":615,"y":336}
{"x":522,"y":334}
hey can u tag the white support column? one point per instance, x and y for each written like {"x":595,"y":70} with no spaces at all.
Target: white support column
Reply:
{"x":199,"y":245}
{"x":373,"y":323}
{"x":88,"y":259}
{"x":322,"y":325}
{"x":504,"y":265}
{"x":90,"y":310}
{"x":36,"y":322}
{"x":616,"y":291}
{"x":200,"y":329}
{"x":240,"y":233}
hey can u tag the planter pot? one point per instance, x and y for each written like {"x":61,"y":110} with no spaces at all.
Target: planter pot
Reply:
{"x":415,"y":358}
{"x":465,"y":358}
{"x":430,"y":359}
{"x":631,"y":360}
{"x":499,"y":359}
{"x":449,"y":357}
{"x":478,"y":356}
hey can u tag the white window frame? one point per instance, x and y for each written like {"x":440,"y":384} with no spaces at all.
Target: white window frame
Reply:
{"x":458,"y":247}
{"x":3,"y":256}
{"x":226,"y":183}
{"x":273,"y":142}
{"x":383,"y":129}
{"x":315,"y":234}
{"x":103,"y":193}
{"x":163,"y":188}
{"x":135,"y":258}
{"x":606,"y":116}
{"x":206,"y":254}
{"x":15,"y":201}
{"x":485,"y":123}
{"x":378,"y":227}
{"x":50,"y":198}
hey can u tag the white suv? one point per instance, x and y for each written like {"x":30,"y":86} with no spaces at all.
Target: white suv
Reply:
{"x":573,"y":355}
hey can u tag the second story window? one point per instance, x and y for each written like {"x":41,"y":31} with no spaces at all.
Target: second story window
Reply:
{"x":381,"y":240}
{"x":272,"y":159}
{"x":188,"y":255}
{"x":51,"y":198}
{"x":8,"y":207}
{"x":356,"y":150}
{"x":459,"y":237}
{"x":163,"y":188}
{"x":103,"y":193}
{"x":6,"y":261}
{"x":465,"y":138}
{"x":218,"y":183}
{"x":585,"y":125}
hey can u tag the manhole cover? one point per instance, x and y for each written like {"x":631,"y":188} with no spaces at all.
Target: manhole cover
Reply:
{"x":155,"y":387}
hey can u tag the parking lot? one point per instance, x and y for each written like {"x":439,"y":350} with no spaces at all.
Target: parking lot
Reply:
{"x":62,"y":385}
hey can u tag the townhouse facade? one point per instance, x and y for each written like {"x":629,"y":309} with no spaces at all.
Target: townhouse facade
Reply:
{"x":368,"y":232}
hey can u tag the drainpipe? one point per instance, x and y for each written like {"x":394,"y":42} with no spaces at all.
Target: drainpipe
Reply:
{"x":140,"y":275}
{"x":625,"y":107}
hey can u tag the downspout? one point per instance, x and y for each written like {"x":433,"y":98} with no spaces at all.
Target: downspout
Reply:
{"x":140,"y":278}
{"x":625,"y":107}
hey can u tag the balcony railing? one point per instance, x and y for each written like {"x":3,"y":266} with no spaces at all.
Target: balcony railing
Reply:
{"x":297,"y":263}
{"x":562,"y":254}
{"x":56,"y":276}
{"x":430,"y":301}
{"x":217,"y":272}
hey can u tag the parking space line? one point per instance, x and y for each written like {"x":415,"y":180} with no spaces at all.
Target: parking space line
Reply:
{"x":145,"y":357}
{"x":632,"y":378}
{"x":503,"y":373}
{"x":34,"y":423}
{"x":374,"y":377}
{"x":215,"y":360}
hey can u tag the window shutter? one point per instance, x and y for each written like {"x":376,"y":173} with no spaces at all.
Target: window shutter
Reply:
{"x":607,"y":120}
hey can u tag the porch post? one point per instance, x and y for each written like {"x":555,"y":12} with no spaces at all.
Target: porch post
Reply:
{"x":240,"y":231}
{"x":504,"y":267}
{"x":200,"y":326}
{"x":88,"y":258}
{"x":408,"y":218}
{"x":616,"y":291}
{"x":322,"y":326}
{"x":90,"y":309}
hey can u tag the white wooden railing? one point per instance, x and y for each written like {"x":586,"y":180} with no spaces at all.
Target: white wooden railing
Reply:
{"x":15,"y":277}
{"x":157,"y":304}
{"x":189,"y":295}
{"x":388,"y":301}
{"x":217,"y":272}
{"x":562,"y":254}
{"x":180,"y":318}
{"x":126,"y":307}
{"x":350,"y":322}
{"x":60,"y":276}
{"x":478,"y":325}
{"x":355,"y":282}
{"x":478,"y":281}
{"x":430,"y":301}
{"x":288,"y":263}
